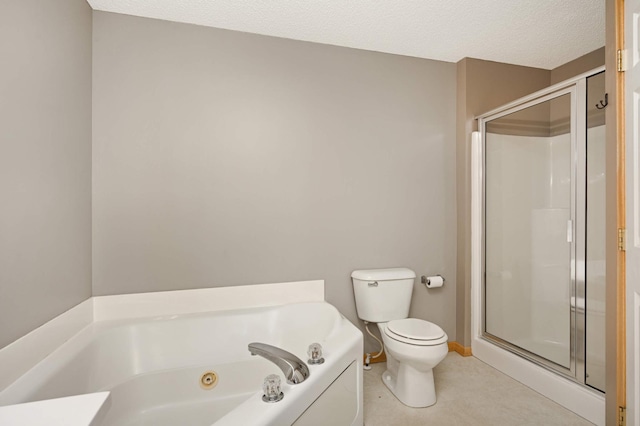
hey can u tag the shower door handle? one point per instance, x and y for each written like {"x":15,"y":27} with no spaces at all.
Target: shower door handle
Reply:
{"x":569,"y":231}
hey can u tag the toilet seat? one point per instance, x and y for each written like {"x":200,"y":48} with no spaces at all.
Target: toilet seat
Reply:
{"x":415,"y":331}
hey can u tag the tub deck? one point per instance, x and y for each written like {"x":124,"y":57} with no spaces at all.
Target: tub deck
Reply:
{"x":152,"y":366}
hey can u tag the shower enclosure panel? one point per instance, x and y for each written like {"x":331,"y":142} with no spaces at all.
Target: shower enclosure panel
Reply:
{"x":544,"y":228}
{"x":530,"y":222}
{"x":538,"y":240}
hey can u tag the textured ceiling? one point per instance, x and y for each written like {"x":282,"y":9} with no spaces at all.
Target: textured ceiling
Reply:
{"x":537,"y":33}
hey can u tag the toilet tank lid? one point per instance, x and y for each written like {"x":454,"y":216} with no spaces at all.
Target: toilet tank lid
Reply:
{"x":383,"y":274}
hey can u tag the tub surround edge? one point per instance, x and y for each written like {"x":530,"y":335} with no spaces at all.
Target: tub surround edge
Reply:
{"x":87,"y":409}
{"x":79,"y":410}
{"x":26,"y":352}
{"x":23,"y":354}
{"x":20,"y":356}
{"x":179,"y":302}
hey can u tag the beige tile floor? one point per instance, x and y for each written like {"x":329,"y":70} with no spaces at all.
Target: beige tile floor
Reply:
{"x":469,"y":393}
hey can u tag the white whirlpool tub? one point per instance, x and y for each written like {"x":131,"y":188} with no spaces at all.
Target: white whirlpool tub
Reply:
{"x":152,"y":368}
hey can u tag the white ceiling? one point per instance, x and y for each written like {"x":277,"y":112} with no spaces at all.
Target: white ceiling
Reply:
{"x":537,"y":33}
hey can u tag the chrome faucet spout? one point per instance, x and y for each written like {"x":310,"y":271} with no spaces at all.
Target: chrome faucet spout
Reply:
{"x":294,"y":369}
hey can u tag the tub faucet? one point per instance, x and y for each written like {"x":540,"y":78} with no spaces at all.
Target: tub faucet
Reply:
{"x":295,"y":371}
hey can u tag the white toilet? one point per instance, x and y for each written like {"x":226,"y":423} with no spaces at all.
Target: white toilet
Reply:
{"x":413,"y":346}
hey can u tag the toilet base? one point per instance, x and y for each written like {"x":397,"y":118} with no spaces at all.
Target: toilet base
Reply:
{"x":412,"y":387}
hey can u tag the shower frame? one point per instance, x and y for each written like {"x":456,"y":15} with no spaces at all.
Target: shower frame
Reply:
{"x":565,"y":385}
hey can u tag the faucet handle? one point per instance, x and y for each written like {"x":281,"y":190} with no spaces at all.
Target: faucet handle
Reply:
{"x":271,"y":389}
{"x":315,"y":354}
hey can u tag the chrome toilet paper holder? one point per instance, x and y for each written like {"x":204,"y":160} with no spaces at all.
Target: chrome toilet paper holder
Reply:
{"x":426,"y":281}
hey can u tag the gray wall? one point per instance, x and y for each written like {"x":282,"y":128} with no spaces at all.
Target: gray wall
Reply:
{"x":578,"y":66}
{"x":224,"y":158}
{"x":45,"y":161}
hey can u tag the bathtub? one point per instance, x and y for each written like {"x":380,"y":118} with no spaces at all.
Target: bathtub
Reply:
{"x":152,"y":368}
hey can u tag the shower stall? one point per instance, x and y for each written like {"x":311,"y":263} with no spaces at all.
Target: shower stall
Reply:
{"x":540,"y":201}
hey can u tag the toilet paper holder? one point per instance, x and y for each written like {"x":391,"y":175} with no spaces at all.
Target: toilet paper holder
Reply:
{"x":426,"y":280}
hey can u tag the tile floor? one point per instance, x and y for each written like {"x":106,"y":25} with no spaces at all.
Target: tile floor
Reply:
{"x":469,"y":393}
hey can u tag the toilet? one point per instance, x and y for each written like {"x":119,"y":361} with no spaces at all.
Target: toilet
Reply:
{"x":413,"y":346}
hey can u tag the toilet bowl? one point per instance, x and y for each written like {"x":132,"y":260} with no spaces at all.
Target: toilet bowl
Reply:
{"x":411,"y":359}
{"x":413,"y":346}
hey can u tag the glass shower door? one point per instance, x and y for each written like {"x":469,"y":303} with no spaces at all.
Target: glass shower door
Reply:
{"x":530,"y":228}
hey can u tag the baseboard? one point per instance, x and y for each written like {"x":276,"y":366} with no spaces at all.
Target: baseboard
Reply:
{"x":453,"y":347}
{"x":457,"y":347}
{"x":381,"y":358}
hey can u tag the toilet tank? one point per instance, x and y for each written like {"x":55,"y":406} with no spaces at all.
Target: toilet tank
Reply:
{"x":383,"y":295}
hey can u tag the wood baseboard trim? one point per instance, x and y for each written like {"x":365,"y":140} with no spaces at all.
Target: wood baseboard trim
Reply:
{"x":453,"y":347}
{"x":457,"y":347}
{"x":381,"y":358}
